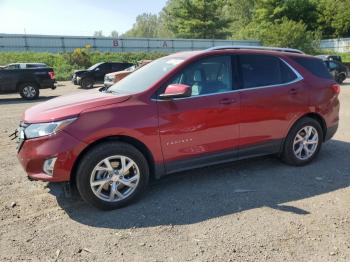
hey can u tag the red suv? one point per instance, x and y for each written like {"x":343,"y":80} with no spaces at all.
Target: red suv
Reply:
{"x":183,"y":111}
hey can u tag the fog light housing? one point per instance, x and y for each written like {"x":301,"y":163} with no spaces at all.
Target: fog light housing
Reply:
{"x":49,"y":165}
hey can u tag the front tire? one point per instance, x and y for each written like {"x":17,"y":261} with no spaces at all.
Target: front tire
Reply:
{"x":87,"y":83}
{"x":29,"y":91}
{"x":303,"y":142}
{"x":112,"y":175}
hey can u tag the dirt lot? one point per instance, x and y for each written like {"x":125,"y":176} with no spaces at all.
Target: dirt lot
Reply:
{"x":252,"y":210}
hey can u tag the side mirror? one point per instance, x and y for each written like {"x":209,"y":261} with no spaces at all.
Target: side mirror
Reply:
{"x":97,"y":69}
{"x":176,"y":91}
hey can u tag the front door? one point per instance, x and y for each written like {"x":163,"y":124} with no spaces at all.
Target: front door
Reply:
{"x":204,"y":127}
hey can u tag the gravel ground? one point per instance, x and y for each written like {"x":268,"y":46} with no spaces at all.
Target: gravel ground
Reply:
{"x":252,"y":210}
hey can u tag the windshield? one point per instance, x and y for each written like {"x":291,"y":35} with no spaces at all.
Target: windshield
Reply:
{"x":147,"y":75}
{"x":94,"y":66}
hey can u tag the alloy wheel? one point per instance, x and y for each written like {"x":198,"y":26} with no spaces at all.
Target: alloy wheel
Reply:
{"x":115,"y":178}
{"x":305,"y":143}
{"x":29,"y":91}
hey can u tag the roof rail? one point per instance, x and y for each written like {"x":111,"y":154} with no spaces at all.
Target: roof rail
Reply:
{"x":279,"y":49}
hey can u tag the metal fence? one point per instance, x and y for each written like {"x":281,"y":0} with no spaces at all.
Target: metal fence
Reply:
{"x":55,"y":44}
{"x":341,"y":45}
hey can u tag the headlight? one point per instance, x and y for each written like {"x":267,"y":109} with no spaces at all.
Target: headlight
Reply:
{"x":45,"y":129}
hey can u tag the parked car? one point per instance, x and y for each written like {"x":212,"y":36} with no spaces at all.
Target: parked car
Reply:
{"x":112,"y":78}
{"x":24,"y":65}
{"x":96,"y":73}
{"x":338,"y":70}
{"x":26,"y":82}
{"x":330,"y":58}
{"x":183,"y":111}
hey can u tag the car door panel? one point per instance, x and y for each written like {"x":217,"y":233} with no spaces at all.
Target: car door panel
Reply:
{"x":202,"y":126}
{"x":268,"y":111}
{"x":199,"y":125}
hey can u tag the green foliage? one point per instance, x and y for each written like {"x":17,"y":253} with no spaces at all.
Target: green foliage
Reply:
{"x":334,"y":18}
{"x":146,"y":26}
{"x":64,"y":65}
{"x":196,"y":18}
{"x":290,"y":34}
{"x":240,"y":13}
{"x":283,"y":23}
{"x":275,"y":11}
{"x":80,"y":57}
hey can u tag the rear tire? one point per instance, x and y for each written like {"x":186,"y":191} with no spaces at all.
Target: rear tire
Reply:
{"x":29,"y":91}
{"x":340,"y":78}
{"x":87,"y":83}
{"x":112,"y":175}
{"x":303,"y":142}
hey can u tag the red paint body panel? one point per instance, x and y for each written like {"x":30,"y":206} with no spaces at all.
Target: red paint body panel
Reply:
{"x":179,"y":129}
{"x":267,"y":116}
{"x":199,"y":125}
{"x":62,"y":145}
{"x":70,"y":105}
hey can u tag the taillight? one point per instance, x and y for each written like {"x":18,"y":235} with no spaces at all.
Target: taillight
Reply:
{"x":52,"y":75}
{"x":336,"y":88}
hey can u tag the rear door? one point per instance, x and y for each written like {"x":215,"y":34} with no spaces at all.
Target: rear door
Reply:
{"x":119,"y":67}
{"x":272,"y":96}
{"x":204,"y":127}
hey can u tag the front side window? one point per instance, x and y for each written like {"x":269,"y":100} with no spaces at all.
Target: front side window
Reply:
{"x":264,"y":70}
{"x":207,"y":76}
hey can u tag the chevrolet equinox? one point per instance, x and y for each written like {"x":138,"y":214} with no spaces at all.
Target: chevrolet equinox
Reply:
{"x":183,"y":111}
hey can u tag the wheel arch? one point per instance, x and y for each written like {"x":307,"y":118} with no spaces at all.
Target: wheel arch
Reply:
{"x":120,"y":138}
{"x":21,"y":82}
{"x":314,"y":116}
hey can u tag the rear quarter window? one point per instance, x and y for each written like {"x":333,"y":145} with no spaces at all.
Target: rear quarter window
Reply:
{"x":315,"y":66}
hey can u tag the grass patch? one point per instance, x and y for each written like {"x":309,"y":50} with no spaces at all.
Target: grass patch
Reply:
{"x":65,"y":63}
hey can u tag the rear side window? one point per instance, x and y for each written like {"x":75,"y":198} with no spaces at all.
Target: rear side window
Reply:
{"x":36,"y":65}
{"x":117,"y":67}
{"x":104,"y":67}
{"x":264,"y":70}
{"x":315,"y":66}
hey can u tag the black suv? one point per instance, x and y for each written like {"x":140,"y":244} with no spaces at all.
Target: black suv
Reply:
{"x":27,"y":81}
{"x":338,"y":70}
{"x":96,"y":73}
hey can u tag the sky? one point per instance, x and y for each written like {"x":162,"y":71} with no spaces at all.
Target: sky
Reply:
{"x":72,"y":17}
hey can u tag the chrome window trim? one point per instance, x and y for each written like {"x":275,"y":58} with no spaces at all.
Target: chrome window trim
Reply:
{"x":297,"y":79}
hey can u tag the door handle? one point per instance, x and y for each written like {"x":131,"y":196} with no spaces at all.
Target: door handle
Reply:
{"x":293,"y":91}
{"x":228,"y":101}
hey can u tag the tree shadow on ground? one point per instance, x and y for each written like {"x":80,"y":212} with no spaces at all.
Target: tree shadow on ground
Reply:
{"x":202,"y":194}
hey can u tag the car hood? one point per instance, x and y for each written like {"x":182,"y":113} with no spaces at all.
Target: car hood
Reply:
{"x":70,"y":105}
{"x":79,"y":72}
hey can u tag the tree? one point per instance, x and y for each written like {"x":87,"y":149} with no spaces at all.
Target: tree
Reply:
{"x":98,"y":33}
{"x":334,"y":18}
{"x":114,"y":34}
{"x":240,"y":13}
{"x":290,"y":34}
{"x":275,"y":11}
{"x":146,"y":26}
{"x":196,"y":18}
